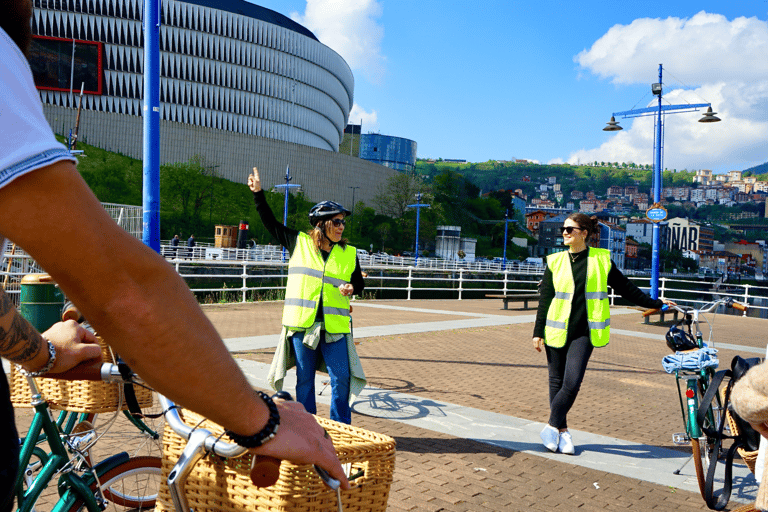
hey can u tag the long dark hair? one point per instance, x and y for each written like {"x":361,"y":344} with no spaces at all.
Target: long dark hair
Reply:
{"x":585,"y":222}
{"x":318,"y":232}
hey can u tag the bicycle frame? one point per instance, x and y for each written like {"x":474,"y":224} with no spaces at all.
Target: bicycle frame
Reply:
{"x":71,"y":485}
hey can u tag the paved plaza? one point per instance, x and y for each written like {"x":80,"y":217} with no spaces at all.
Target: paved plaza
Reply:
{"x":461,"y":389}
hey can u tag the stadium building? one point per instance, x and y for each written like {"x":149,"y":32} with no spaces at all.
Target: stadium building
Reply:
{"x":240,"y":85}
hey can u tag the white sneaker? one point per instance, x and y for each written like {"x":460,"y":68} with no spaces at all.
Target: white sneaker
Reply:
{"x":565,"y":444}
{"x":551,"y":437}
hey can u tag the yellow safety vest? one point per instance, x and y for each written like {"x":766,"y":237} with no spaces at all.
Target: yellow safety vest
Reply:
{"x":598,"y":306}
{"x":310,"y":278}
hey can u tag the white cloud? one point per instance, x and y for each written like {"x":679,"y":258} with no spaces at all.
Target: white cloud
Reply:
{"x":369,"y":119}
{"x":351,"y":29}
{"x":725,"y":63}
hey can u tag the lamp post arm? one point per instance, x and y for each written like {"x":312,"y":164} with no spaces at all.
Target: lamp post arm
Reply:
{"x":692,"y":107}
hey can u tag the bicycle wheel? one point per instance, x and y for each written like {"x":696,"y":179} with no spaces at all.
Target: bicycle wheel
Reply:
{"x":702,"y":455}
{"x":139,"y":437}
{"x":704,"y":447}
{"x":133,"y":485}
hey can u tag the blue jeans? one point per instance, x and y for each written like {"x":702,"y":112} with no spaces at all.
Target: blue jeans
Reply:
{"x":337,"y":360}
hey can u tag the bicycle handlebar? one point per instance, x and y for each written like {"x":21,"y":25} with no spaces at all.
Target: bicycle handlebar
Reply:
{"x":711,"y":307}
{"x":265,"y":471}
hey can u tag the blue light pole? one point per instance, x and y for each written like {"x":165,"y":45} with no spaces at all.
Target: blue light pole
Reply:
{"x":506,"y":224}
{"x":151,"y":130}
{"x":656,"y":213}
{"x":418,"y":207}
{"x":288,"y":186}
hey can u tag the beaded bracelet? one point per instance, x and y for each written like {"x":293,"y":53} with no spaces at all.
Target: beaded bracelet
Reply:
{"x":264,"y":435}
{"x":45,"y":369}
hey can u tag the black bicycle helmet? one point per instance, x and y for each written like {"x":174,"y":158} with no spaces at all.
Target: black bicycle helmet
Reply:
{"x":678,"y":339}
{"x":326,"y":210}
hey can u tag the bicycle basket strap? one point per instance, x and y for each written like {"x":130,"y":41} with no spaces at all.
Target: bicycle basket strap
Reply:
{"x":130,"y":395}
{"x":706,"y":400}
{"x":722,"y":500}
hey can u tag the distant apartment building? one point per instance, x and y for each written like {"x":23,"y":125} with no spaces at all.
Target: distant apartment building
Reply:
{"x":760,"y":186}
{"x":539,"y":202}
{"x":685,"y":235}
{"x":591,"y":195}
{"x":614,"y":191}
{"x":552,"y":180}
{"x":534,"y":219}
{"x":703,"y":176}
{"x":613,"y":238}
{"x":642,"y":231}
{"x":630,"y":256}
{"x":631,"y":191}
{"x":641,"y":201}
{"x":577,"y":195}
{"x":698,"y":196}
{"x":734,"y":176}
{"x":676,"y":193}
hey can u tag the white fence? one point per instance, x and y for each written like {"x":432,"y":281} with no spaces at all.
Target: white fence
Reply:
{"x":226,"y":275}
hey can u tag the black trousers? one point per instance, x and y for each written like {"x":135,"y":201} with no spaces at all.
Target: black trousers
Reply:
{"x":567,"y":366}
{"x":9,"y":446}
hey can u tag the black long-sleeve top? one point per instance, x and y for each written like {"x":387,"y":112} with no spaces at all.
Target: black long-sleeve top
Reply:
{"x":577,"y":322}
{"x":287,"y":238}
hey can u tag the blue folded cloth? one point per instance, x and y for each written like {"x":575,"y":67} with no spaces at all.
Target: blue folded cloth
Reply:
{"x":694,"y":360}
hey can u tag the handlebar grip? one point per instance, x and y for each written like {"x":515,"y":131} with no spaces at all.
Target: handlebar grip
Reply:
{"x":89,"y":370}
{"x":265,"y":471}
{"x":739,"y":306}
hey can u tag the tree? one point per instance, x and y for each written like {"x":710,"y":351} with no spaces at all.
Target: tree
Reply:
{"x":397,"y":193}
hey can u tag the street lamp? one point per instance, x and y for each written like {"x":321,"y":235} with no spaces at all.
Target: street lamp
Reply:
{"x":353,"y":208}
{"x":418,"y":207}
{"x":656,"y":213}
{"x":288,"y":186}
{"x":506,"y":223}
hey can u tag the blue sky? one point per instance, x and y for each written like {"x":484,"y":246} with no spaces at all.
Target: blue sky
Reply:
{"x":504,"y":80}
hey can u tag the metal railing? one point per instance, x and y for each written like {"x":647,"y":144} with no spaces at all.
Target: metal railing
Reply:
{"x":258,"y":273}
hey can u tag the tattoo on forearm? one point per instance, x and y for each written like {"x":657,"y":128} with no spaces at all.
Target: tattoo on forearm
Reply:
{"x":19,"y":341}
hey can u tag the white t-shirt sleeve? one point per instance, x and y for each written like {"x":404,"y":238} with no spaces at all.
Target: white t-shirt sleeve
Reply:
{"x":26,"y":139}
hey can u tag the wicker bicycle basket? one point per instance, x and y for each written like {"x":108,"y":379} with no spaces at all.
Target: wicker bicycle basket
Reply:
{"x":749,"y":458}
{"x":76,"y":395}
{"x":223,"y":485}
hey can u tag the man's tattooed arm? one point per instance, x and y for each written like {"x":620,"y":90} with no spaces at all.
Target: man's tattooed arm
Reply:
{"x":19,"y":341}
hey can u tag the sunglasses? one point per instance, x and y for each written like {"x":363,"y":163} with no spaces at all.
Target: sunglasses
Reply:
{"x":569,"y":229}
{"x":339,"y":222}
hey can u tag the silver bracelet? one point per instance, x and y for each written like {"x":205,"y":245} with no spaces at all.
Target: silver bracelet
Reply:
{"x":46,"y":368}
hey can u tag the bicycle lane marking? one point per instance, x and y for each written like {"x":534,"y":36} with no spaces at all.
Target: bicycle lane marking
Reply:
{"x":601,"y":453}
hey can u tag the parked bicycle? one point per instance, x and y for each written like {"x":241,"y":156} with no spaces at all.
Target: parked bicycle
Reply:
{"x":695,"y":363}
{"x":51,"y":454}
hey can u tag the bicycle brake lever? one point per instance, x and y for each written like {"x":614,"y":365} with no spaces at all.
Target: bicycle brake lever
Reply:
{"x":328,"y":479}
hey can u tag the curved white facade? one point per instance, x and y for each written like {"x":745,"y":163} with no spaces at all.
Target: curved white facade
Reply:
{"x":235,"y":67}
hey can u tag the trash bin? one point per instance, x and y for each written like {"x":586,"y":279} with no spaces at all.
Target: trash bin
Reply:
{"x":41,"y":301}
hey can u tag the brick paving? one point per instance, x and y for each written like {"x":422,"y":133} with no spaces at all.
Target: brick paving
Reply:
{"x":625,"y":395}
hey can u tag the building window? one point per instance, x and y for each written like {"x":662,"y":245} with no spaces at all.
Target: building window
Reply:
{"x":55,"y":69}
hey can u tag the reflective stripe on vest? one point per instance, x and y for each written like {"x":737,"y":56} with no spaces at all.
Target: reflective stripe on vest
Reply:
{"x":310,"y":278}
{"x":596,"y":294}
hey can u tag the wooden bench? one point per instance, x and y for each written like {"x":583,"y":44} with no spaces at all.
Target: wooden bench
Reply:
{"x":524,"y":298}
{"x":673,"y":312}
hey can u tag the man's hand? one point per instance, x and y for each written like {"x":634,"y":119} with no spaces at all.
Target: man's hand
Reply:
{"x":346,"y":289}
{"x":73,"y":344}
{"x":537,"y":343}
{"x":254,"y":182}
{"x":301,"y":440}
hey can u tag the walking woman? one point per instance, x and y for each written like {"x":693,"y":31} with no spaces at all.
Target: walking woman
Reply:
{"x":574,"y":317}
{"x":323,"y":273}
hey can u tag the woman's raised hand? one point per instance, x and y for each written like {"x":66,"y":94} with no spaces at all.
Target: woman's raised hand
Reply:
{"x":254,"y":182}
